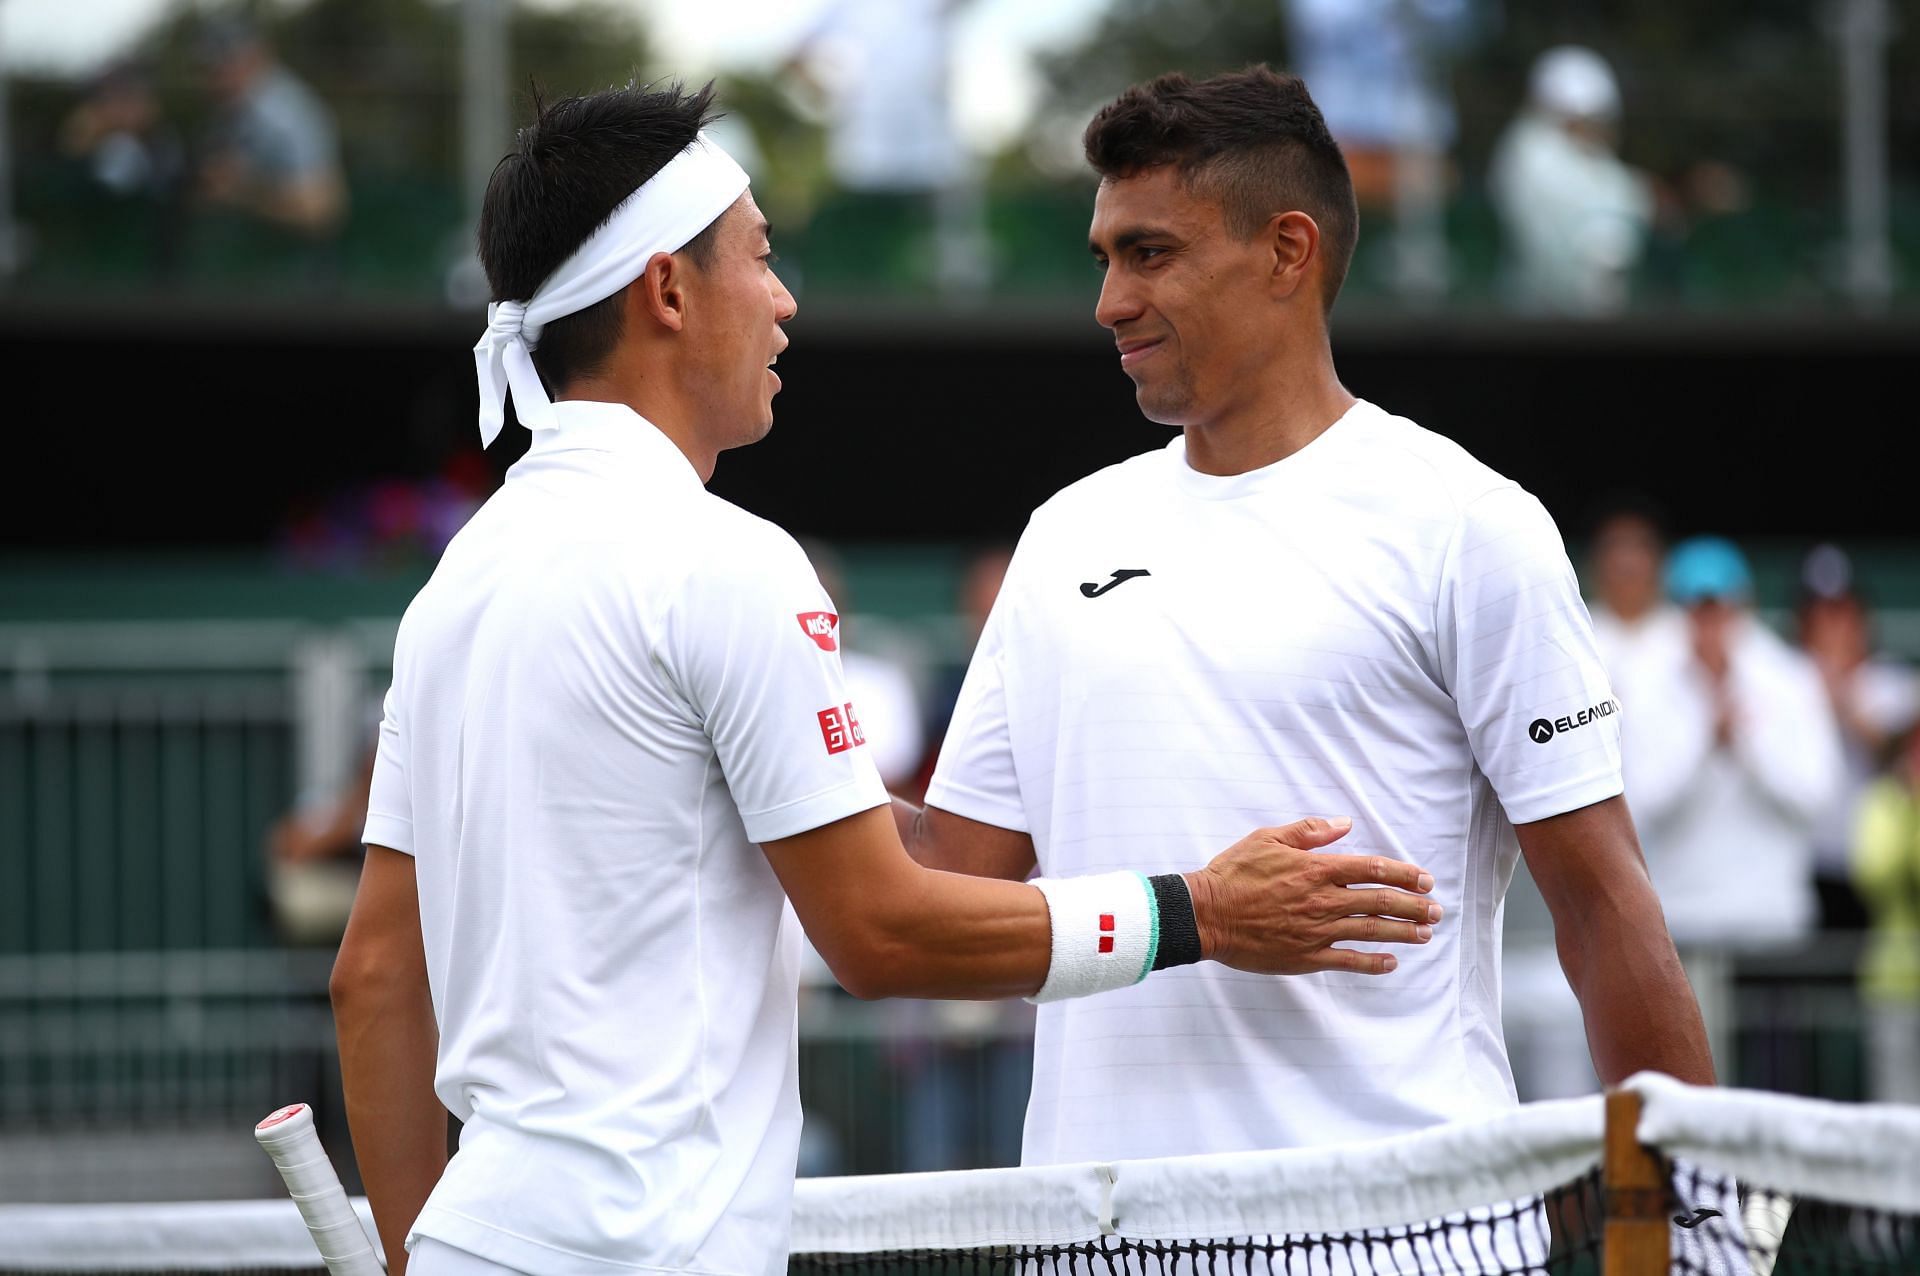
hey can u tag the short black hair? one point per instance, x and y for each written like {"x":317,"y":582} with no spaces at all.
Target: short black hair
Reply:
{"x":575,"y":164}
{"x":1251,"y":140}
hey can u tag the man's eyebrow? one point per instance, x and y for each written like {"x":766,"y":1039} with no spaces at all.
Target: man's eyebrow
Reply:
{"x":766,"y":229}
{"x":1131,"y":236}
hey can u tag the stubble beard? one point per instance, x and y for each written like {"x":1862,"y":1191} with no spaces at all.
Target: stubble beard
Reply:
{"x":1166,"y":402}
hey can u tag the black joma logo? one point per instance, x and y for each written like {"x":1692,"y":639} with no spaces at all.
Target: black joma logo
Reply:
{"x":1699,"y":1216}
{"x":1092,"y":590}
{"x":1541,"y":730}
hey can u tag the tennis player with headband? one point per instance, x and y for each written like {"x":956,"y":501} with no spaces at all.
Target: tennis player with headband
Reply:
{"x":618,"y":741}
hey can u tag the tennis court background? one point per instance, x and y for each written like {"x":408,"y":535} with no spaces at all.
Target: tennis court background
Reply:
{"x":179,"y":666}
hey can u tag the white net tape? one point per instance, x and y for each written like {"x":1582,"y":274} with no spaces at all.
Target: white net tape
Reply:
{"x":1864,"y":1156}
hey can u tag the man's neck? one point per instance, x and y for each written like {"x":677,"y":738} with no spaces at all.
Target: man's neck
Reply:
{"x":1271,"y":427}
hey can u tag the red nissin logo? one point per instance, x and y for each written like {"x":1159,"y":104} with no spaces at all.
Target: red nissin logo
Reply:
{"x":821,"y":626}
{"x":840,"y":729}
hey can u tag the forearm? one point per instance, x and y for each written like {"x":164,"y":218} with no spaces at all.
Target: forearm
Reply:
{"x":889,"y":927}
{"x":387,"y":1046}
{"x":1639,"y":1010}
{"x":947,"y":935}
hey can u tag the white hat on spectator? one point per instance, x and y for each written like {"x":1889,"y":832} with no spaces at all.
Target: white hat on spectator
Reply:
{"x":1577,"y":82}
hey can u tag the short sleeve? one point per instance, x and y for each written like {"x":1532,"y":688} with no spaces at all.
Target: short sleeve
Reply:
{"x":1517,"y":653}
{"x":753,"y":642}
{"x":975,"y":776}
{"x":389,"y":802}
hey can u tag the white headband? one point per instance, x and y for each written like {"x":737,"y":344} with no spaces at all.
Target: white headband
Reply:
{"x":662,"y":216}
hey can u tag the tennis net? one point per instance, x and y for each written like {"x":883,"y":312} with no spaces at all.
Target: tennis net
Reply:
{"x":1658,"y":1178}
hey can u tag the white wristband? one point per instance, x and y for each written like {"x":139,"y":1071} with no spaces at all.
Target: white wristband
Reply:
{"x":1106,"y":930}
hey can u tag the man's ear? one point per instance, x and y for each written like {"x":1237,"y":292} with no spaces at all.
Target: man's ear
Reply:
{"x":659,"y":295}
{"x":1295,"y":240}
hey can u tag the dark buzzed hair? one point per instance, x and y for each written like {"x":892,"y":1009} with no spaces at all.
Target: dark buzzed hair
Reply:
{"x":1252,"y":141}
{"x":576,"y":163}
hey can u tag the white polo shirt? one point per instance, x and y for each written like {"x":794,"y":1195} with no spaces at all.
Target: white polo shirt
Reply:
{"x":1376,"y":626}
{"x":615,"y":685}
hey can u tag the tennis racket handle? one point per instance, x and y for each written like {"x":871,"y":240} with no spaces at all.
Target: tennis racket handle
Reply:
{"x":289,"y":1138}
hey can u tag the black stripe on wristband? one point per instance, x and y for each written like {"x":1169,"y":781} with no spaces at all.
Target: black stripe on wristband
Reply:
{"x":1179,"y":930}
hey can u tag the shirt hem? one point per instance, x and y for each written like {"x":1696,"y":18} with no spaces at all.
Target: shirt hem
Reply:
{"x":497,"y":1245}
{"x":861,"y":793}
{"x":1563,"y":798}
{"x":975,"y":805}
{"x":389,"y":831}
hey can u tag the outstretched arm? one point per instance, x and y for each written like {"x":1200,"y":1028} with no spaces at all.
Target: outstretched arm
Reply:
{"x":383,"y":1013}
{"x":1639,"y":1010}
{"x":889,"y":927}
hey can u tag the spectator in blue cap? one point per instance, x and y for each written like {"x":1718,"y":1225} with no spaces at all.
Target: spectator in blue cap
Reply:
{"x":1732,"y":759}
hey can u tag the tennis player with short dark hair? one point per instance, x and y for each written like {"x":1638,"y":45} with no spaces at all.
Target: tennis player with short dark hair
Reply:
{"x":1302,"y":603}
{"x":619,"y":740}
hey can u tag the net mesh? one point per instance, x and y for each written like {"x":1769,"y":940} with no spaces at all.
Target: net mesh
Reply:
{"x":1557,"y":1232}
{"x":1756,"y":1185}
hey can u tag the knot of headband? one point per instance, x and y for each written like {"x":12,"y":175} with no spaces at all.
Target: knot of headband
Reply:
{"x":662,"y":216}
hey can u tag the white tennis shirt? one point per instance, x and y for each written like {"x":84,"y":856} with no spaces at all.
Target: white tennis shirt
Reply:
{"x":614,"y":685}
{"x":1377,"y":626}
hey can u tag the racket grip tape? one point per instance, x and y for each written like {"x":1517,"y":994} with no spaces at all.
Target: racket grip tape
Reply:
{"x":289,"y":1138}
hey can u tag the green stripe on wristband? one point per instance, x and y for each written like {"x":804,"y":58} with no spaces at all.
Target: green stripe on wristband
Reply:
{"x":1153,"y":926}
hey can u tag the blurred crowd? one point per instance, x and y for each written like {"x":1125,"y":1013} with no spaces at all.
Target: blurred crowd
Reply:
{"x":1563,"y":190}
{"x":1775,"y":782}
{"x":262,"y":175}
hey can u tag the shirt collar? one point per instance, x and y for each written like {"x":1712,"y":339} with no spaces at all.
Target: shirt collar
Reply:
{"x":616,"y":429}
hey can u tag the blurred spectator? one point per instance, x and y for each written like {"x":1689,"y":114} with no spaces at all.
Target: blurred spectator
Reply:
{"x":1637,"y":629}
{"x":274,"y":154}
{"x":1874,"y":701}
{"x":133,"y":158}
{"x":882,"y":65}
{"x":313,"y":861}
{"x":1886,"y":867}
{"x":1576,"y":217}
{"x":1375,"y":68}
{"x":906,"y":208}
{"x":1732,"y":759}
{"x":122,"y":134}
{"x":1374,"y":73}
